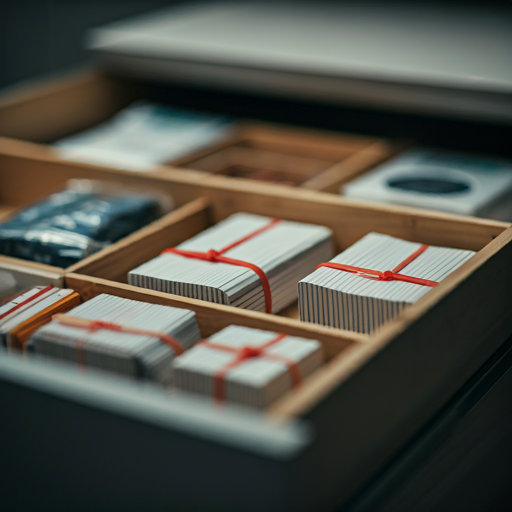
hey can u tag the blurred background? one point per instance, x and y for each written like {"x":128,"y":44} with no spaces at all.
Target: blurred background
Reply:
{"x":39,"y":36}
{"x":44,"y":36}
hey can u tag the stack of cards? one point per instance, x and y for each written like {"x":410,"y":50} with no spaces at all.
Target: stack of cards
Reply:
{"x":21,"y":315}
{"x":131,"y":338}
{"x":439,"y":180}
{"x":246,"y":366}
{"x":281,"y":252}
{"x":381,"y":276}
{"x":145,"y":135}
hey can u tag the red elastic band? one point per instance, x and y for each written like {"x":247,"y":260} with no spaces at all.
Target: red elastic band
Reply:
{"x":243,"y":354}
{"x":216,"y":257}
{"x":96,"y":325}
{"x":27,"y":301}
{"x":388,"y":275}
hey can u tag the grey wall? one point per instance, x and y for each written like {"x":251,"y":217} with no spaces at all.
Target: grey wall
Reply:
{"x":40,"y":36}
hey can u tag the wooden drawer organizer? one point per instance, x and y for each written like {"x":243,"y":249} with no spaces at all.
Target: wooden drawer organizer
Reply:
{"x":375,"y":390}
{"x":313,"y":159}
{"x":344,"y":423}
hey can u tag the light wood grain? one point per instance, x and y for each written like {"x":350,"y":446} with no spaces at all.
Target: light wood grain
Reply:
{"x":115,"y":261}
{"x":350,"y":219}
{"x":6,"y":261}
{"x":314,"y":143}
{"x":61,"y":106}
{"x":218,"y":162}
{"x":354,"y":165}
{"x":326,"y":158}
{"x":388,"y":389}
{"x":25,"y":163}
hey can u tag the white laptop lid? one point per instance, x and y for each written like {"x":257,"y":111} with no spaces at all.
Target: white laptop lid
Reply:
{"x":453,"y":59}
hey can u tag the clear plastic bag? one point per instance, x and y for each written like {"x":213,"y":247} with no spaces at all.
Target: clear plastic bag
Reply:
{"x":79,"y":221}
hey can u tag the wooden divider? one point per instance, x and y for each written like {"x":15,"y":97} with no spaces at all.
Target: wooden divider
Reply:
{"x":116,"y":260}
{"x":350,"y":219}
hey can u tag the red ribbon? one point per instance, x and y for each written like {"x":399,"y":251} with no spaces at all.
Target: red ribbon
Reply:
{"x":388,"y":275}
{"x":26,"y":301}
{"x":97,"y":325}
{"x":245,"y":353}
{"x":216,"y":257}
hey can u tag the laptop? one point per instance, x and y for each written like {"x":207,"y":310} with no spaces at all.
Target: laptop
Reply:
{"x":448,"y":60}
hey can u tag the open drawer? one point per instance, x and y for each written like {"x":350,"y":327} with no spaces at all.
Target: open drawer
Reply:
{"x":95,"y":443}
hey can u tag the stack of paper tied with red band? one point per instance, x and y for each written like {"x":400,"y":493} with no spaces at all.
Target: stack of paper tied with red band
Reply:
{"x":26,"y":311}
{"x":127,"y":337}
{"x":373,"y":280}
{"x":246,"y":366}
{"x":247,"y":261}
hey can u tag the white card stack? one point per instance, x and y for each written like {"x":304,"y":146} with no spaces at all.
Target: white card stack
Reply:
{"x":32,"y":302}
{"x":349,"y":301}
{"x":286,"y":252}
{"x":254,"y":381}
{"x":145,"y":135}
{"x":136,"y":355}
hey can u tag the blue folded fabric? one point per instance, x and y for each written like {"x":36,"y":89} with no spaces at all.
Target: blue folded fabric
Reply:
{"x":69,"y":226}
